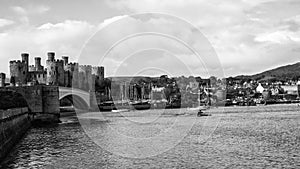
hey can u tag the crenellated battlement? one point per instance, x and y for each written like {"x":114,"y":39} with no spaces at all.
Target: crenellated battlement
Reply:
{"x":14,"y":62}
{"x":59,"y":72}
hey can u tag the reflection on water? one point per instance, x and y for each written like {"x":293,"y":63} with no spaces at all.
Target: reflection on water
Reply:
{"x":242,"y":140}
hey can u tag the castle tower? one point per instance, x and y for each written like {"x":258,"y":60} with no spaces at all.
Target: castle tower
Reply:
{"x":81,"y":77}
{"x":51,"y":69}
{"x":2,"y":79}
{"x":15,"y":72}
{"x":25,"y":58}
{"x":19,"y":69}
{"x":74,"y":74}
{"x":25,"y":67}
{"x":38,"y":66}
{"x":65,"y":59}
{"x":96,"y":71}
{"x":89,"y":78}
{"x":101,"y":76}
{"x":51,"y":56}
{"x":60,"y":72}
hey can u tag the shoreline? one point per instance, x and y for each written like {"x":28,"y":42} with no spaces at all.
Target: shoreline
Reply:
{"x":72,"y":117}
{"x":255,"y":109}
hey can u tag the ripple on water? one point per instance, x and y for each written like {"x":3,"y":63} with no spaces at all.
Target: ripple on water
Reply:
{"x":241,"y":140}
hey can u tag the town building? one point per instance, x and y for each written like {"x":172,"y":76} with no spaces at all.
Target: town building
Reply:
{"x":260,"y":88}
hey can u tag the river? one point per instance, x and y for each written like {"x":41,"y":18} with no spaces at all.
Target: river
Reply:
{"x":258,"y":137}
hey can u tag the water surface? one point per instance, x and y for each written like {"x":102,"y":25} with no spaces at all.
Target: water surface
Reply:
{"x":259,"y":137}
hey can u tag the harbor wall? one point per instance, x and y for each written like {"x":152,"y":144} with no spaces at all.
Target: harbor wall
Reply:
{"x":42,"y":100}
{"x":13,"y":125}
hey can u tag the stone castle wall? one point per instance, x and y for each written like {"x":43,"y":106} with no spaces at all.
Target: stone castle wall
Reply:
{"x":2,"y":79}
{"x":57,"y":72}
{"x":18,"y":71}
{"x":42,"y":100}
{"x":14,"y":124}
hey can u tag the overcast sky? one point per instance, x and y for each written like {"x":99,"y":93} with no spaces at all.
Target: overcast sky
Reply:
{"x":248,"y":36}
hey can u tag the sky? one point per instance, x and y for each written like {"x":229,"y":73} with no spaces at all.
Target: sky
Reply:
{"x":188,"y":37}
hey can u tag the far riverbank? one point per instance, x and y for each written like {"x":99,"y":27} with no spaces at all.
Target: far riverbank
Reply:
{"x":71,"y":116}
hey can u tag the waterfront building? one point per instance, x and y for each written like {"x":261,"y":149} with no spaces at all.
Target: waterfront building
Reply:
{"x":290,"y":89}
{"x":260,"y":88}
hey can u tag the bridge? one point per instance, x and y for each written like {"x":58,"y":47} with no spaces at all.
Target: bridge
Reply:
{"x":79,"y":98}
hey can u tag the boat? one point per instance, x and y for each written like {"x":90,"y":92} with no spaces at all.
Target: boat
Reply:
{"x":141,"y":105}
{"x":158,"y":104}
{"x":203,"y":107}
{"x":120,"y":110}
{"x":200,"y":113}
{"x":107,"y":106}
{"x":198,"y":108}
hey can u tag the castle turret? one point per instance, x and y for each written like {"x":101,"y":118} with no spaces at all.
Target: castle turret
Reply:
{"x":98,"y":74}
{"x":38,"y":66}
{"x":51,"y":56}
{"x":75,"y":75}
{"x":51,"y":69}
{"x":2,"y":79}
{"x":25,"y":67}
{"x":65,"y":59}
{"x":60,"y":72}
{"x":102,"y":73}
{"x":89,"y":79}
{"x":19,"y":69}
{"x":25,"y":58}
{"x":81,"y":77}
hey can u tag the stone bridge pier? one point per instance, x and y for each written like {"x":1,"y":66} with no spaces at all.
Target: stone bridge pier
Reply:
{"x":42,"y":101}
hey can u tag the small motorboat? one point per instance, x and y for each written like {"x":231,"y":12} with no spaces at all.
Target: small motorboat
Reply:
{"x":201,"y":113}
{"x":120,"y":110}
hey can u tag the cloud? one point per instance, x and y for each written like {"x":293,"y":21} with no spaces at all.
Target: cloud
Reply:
{"x":66,"y":37}
{"x":19,"y":10}
{"x":24,"y":13}
{"x":36,"y":9}
{"x":41,"y":9}
{"x":245,"y":34}
{"x":110,"y":20}
{"x":131,"y":35}
{"x":5,"y":22}
{"x":278,"y":37}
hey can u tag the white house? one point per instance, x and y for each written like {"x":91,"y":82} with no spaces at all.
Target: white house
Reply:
{"x":260,"y":88}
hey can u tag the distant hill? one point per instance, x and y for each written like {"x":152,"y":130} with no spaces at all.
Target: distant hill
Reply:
{"x":283,"y":73}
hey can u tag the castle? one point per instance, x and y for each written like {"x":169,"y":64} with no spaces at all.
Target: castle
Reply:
{"x":57,"y":72}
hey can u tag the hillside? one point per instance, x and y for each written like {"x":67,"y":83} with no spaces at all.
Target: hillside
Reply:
{"x":283,"y":73}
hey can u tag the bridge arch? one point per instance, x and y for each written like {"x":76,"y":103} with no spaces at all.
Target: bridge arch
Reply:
{"x":79,"y":98}
{"x":76,"y":101}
